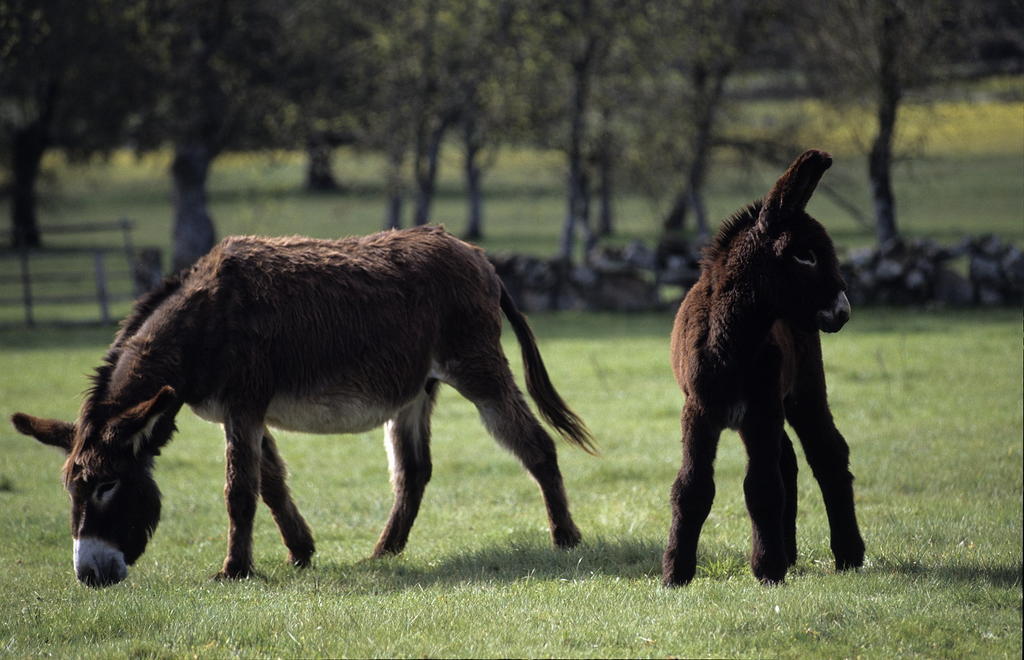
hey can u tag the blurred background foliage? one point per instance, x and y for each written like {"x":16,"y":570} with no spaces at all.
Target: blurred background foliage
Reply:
{"x":635,"y":114}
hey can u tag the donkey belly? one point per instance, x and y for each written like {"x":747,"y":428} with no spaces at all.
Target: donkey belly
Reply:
{"x":327,"y":413}
{"x":318,"y":413}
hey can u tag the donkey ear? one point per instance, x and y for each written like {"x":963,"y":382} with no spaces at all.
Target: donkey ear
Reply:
{"x":139,"y":421}
{"x":794,"y":188}
{"x":51,"y":432}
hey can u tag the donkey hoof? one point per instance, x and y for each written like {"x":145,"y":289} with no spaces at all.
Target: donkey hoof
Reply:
{"x":301,"y":561}
{"x":849,"y":563}
{"x":566,"y":538}
{"x":770,"y":573}
{"x":677,"y":571}
{"x":671,"y":580}
{"x":232,"y":571}
{"x":850,"y":557}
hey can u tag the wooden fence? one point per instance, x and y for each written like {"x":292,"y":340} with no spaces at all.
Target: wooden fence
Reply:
{"x":77,"y":274}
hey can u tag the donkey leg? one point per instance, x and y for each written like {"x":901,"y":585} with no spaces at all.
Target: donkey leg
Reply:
{"x":241,"y":489}
{"x":692,"y":494}
{"x":765,"y":495}
{"x":407,"y":440}
{"x":788,"y":467}
{"x":491,"y":388}
{"x":274,"y":489}
{"x":828,"y":455}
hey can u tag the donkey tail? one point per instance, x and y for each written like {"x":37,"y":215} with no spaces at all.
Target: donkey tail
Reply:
{"x":551,"y":406}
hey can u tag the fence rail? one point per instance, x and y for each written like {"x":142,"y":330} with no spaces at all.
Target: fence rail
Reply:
{"x":59,"y":274}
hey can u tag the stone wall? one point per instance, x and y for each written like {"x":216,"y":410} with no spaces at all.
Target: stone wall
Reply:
{"x":977,"y":271}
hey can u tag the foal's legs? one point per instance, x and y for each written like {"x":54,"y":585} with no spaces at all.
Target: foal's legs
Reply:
{"x":765,"y":494}
{"x":828,"y":455}
{"x":407,"y":440}
{"x":487,"y":381}
{"x":244,"y":433}
{"x":692,"y":494}
{"x":274,"y":489}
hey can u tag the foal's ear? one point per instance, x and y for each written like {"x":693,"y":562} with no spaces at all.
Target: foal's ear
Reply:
{"x":51,"y":432}
{"x":794,"y":188}
{"x":139,"y":421}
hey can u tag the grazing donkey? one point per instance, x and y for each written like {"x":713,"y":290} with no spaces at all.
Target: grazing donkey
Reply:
{"x":747,"y":354}
{"x":304,"y":335}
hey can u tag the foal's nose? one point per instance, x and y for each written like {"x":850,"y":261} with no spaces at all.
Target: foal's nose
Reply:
{"x":834,"y":318}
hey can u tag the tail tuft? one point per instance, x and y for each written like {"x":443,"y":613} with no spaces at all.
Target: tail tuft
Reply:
{"x":552,"y":408}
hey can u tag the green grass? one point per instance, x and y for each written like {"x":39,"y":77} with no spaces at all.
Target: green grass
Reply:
{"x":930,"y":402}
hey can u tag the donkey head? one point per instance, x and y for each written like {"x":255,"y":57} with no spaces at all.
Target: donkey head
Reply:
{"x":806,"y":287}
{"x":115,"y":503}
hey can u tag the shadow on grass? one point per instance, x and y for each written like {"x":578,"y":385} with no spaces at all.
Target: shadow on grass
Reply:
{"x":1004,"y":575}
{"x":627,"y":559}
{"x":624,"y":559}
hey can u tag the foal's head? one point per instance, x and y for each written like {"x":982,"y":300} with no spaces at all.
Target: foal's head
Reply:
{"x":789,"y":253}
{"x":115,"y":503}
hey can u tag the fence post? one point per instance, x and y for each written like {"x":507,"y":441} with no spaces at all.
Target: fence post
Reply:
{"x":101,"y":286}
{"x":126,"y":236}
{"x":26,"y":287}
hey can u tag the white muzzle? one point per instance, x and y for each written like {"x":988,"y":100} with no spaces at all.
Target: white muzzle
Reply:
{"x":98,"y":563}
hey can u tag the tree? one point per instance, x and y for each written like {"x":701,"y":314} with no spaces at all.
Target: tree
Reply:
{"x":216,"y":66}
{"x":70,"y":79}
{"x":708,"y":40}
{"x":877,"y":50}
{"x":327,"y":78}
{"x":485,"y":71}
{"x":572,"y":45}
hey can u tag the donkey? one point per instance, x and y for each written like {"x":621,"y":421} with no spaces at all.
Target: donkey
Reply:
{"x":747,"y":354}
{"x":304,"y":335}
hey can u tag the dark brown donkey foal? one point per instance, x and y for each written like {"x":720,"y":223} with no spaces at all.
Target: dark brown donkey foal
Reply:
{"x":747,"y":354}
{"x":305,"y":335}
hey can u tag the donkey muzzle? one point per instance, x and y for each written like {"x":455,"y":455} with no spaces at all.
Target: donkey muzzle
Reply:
{"x":835,"y":317}
{"x":98,"y":563}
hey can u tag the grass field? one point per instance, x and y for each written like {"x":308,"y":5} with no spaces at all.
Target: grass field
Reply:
{"x":931,"y":404}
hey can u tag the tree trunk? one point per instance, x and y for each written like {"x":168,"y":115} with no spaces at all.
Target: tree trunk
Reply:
{"x":28,"y":146}
{"x":578,"y":206}
{"x":701,"y":213}
{"x":319,"y":173}
{"x":606,"y":220}
{"x":880,"y":159}
{"x":708,"y":86}
{"x":427,"y":153}
{"x":193,"y":233}
{"x":675,"y":220}
{"x":474,"y":175}
{"x":880,"y":174}
{"x":393,"y":186}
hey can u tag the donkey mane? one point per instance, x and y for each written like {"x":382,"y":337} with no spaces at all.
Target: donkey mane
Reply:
{"x":731,"y":227}
{"x":95,"y":397}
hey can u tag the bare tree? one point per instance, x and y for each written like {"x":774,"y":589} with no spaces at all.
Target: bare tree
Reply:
{"x":875,"y":51}
{"x":703,"y":44}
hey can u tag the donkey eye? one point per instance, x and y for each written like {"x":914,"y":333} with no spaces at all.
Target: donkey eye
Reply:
{"x":104,"y":489}
{"x":806,"y":258}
